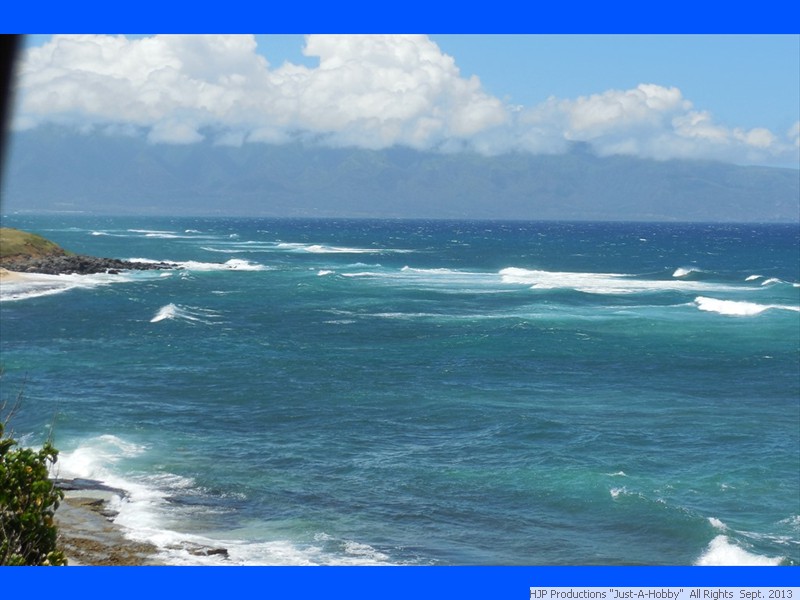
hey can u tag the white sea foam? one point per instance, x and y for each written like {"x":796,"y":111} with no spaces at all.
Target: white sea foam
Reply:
{"x":321,"y":249}
{"x":792,"y":521}
{"x":736,"y":308}
{"x":323,"y":272}
{"x":446,"y":272}
{"x":454,"y":280}
{"x":754,"y":277}
{"x":166,"y":234}
{"x":601,"y":283}
{"x":723,"y":552}
{"x":717,"y":524}
{"x":251,"y":246}
{"x":24,"y":286}
{"x":328,"y":249}
{"x":617,"y":491}
{"x":363,"y":274}
{"x":400,"y":315}
{"x":145,"y":510}
{"x":234,"y":264}
{"x":221,"y":250}
{"x":193,"y":314}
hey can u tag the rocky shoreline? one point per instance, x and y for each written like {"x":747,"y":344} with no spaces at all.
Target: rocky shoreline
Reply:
{"x":88,"y":535}
{"x":78,"y":265}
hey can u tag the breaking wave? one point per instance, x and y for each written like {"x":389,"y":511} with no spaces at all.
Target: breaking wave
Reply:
{"x":685,"y":272}
{"x":325,"y":249}
{"x":170,"y":312}
{"x":146,"y":512}
{"x":234,"y":264}
{"x":736,"y":308}
{"x":723,"y":552}
{"x":601,"y":283}
{"x":24,"y":286}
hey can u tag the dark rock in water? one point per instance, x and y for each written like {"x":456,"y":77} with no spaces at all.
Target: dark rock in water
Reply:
{"x":78,"y":265}
{"x":200,"y":550}
{"x":79,"y":484}
{"x":211,"y":552}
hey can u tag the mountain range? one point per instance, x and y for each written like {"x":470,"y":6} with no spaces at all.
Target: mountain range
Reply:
{"x":53,"y":168}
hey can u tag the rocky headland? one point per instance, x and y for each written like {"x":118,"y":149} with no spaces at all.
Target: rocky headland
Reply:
{"x":24,"y":252}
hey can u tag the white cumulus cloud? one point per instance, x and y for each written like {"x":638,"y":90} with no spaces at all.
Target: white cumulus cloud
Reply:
{"x":368,"y":90}
{"x":371,"y":91}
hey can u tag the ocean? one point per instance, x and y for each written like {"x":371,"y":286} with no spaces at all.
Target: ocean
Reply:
{"x":349,"y":392}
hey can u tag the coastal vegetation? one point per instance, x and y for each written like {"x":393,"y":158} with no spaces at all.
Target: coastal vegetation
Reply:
{"x":28,"y":501}
{"x":25,"y":252}
{"x":16,"y":244}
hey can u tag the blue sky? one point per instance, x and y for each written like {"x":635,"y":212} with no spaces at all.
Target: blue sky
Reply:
{"x":734,"y":98}
{"x":746,"y":80}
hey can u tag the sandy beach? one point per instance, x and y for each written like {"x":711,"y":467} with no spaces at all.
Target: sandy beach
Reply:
{"x":7,"y":276}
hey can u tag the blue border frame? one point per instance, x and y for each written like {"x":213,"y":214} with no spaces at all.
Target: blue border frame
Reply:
{"x":410,"y":16}
{"x":356,"y":583}
{"x":384,"y":583}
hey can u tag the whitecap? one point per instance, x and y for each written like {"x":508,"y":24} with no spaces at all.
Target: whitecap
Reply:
{"x":362,"y":274}
{"x":172,"y":311}
{"x":234,"y":264}
{"x":616,"y":492}
{"x":717,"y":524}
{"x":328,"y":249}
{"x":320,"y":249}
{"x":166,"y":312}
{"x":736,"y":308}
{"x":684,"y":272}
{"x":221,"y":250}
{"x":408,"y":269}
{"x":600,"y":283}
{"x":722,"y":552}
{"x":323,"y":272}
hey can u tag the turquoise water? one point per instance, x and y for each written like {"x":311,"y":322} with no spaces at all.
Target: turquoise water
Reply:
{"x":410,"y":392}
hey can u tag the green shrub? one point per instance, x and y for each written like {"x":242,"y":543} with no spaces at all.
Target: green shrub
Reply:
{"x":28,"y":501}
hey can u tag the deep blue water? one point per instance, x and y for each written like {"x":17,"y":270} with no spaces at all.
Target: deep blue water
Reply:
{"x":410,"y":392}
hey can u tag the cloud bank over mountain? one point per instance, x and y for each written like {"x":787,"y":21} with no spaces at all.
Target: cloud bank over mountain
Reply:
{"x":367,"y":91}
{"x":55,"y":168}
